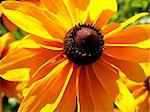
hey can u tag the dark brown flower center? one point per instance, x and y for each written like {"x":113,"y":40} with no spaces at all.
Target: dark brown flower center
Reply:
{"x":147,"y":83}
{"x":83,"y":44}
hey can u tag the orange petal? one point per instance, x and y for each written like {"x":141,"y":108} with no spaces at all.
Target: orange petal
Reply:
{"x":45,"y":68}
{"x":139,"y":91}
{"x":52,"y":88}
{"x":3,"y":41}
{"x":59,"y":9}
{"x":88,"y":20}
{"x":25,"y":58}
{"x":131,"y":35}
{"x":84,"y":91}
{"x":42,"y":57}
{"x":110,"y":27}
{"x":104,"y":17}
{"x":107,"y":76}
{"x":68,"y":102}
{"x":144,"y":102}
{"x":2,"y":44}
{"x":8,"y":88}
{"x":32,"y":1}
{"x":81,"y":4}
{"x":1,"y":94}
{"x":92,"y":95}
{"x":15,"y":59}
{"x":45,"y":42}
{"x":77,"y":15}
{"x":129,"y":53}
{"x":9,"y":25}
{"x":132,"y":70}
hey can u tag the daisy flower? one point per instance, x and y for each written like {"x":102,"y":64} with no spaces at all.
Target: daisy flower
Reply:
{"x":123,"y":98}
{"x":8,"y":86}
{"x":140,"y":90}
{"x":73,"y":54}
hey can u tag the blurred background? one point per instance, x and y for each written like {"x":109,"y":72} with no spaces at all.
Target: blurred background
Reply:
{"x":126,"y":9}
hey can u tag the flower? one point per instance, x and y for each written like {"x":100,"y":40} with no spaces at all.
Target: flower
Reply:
{"x":73,"y":54}
{"x":140,"y":90}
{"x":123,"y":98}
{"x":8,"y":86}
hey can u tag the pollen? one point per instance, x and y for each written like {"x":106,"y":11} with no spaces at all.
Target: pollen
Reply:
{"x":83,"y":44}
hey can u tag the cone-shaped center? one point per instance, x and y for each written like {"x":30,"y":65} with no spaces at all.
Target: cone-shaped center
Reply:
{"x":83,"y":44}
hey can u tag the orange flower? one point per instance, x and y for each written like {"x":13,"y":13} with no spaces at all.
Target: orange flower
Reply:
{"x":75,"y":56}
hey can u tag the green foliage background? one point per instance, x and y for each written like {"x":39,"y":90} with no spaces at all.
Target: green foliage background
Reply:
{"x":127,"y":8}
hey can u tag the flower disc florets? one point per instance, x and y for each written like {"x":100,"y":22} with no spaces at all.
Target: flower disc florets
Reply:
{"x":83,"y":44}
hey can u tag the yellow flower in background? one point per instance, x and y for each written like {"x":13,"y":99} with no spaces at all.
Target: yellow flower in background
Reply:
{"x":4,"y":39}
{"x":8,"y":86}
{"x":140,"y":90}
{"x":73,"y":54}
{"x":125,"y":102}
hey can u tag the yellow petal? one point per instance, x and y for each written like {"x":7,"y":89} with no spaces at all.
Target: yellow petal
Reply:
{"x":97,"y":6}
{"x":3,"y":41}
{"x":60,"y":11}
{"x":146,"y":68}
{"x":21,"y":15}
{"x":125,"y":100}
{"x":8,"y":24}
{"x":144,"y":44}
{"x":28,"y":43}
{"x":13,"y":45}
{"x":51,"y":48}
{"x":142,"y":97}
{"x":21,"y":74}
{"x":127,"y":22}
